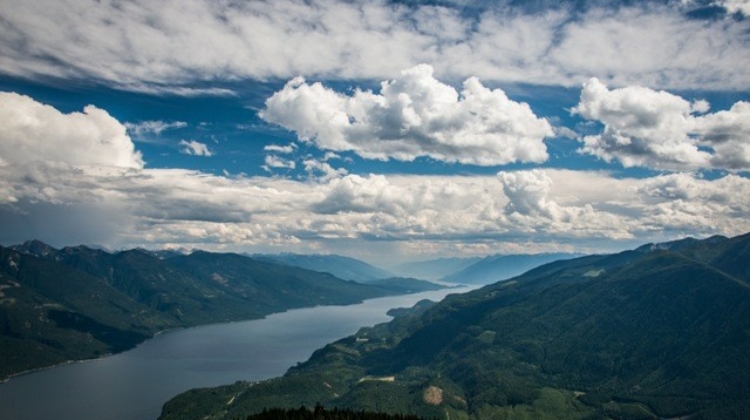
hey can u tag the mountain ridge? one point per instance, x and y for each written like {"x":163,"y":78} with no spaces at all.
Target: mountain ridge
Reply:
{"x":662,"y":333}
{"x":500,"y":267}
{"x":78,"y":302}
{"x":346,"y":268}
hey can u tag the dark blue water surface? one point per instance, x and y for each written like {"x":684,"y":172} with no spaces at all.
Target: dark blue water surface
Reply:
{"x":135,"y":384}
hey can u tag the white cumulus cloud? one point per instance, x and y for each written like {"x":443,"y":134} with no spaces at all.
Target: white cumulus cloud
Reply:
{"x":412,"y":116}
{"x":532,"y":207}
{"x":728,"y":134}
{"x":657,"y":129}
{"x":31,"y":131}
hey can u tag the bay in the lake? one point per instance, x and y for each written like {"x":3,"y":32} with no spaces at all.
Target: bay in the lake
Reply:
{"x":134,"y":385}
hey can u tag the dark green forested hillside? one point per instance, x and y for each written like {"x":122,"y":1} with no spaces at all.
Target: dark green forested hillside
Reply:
{"x":321,"y":413}
{"x":77,"y":302}
{"x":655,"y":333}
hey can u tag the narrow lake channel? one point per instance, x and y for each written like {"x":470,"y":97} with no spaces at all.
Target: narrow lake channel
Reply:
{"x":134,"y":385}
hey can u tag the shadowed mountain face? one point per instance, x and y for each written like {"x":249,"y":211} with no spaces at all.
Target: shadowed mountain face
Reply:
{"x":659,"y":332}
{"x":78,"y":302}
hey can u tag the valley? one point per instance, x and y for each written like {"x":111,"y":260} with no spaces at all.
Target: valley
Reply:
{"x":79,"y":303}
{"x":135,"y":384}
{"x":375,"y":210}
{"x":659,"y":332}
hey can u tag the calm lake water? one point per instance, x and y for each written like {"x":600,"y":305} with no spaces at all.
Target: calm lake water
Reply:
{"x":135,"y":384}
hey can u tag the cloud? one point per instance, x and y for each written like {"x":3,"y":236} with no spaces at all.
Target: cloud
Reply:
{"x":532,"y":208}
{"x":412,"y":116}
{"x":656,"y":129}
{"x":728,"y":134}
{"x":140,"y":45}
{"x":194,"y":148}
{"x":322,"y":170}
{"x":145,"y":128}
{"x":735,"y":6}
{"x":683,"y":203}
{"x":275,"y":162}
{"x":31,"y":131}
{"x":280,"y":149}
{"x":527,"y":192}
{"x":386,"y":215}
{"x":389,"y":216}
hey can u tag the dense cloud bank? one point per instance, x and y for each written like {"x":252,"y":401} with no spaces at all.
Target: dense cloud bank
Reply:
{"x":84,"y":166}
{"x":167,"y":46}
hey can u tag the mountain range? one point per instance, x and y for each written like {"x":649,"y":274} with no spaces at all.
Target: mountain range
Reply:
{"x":659,"y":332}
{"x":342,"y":267}
{"x":77,"y":302}
{"x":500,"y":267}
{"x":435,"y":269}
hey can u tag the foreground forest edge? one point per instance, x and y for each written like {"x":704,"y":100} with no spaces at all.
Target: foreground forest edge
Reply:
{"x":659,"y":332}
{"x":79,"y":303}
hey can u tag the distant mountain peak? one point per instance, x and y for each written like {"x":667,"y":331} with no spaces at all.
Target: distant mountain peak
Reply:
{"x":34,"y":247}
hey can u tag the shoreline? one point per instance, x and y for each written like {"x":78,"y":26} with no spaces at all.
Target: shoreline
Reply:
{"x":65,"y":363}
{"x":159,"y":370}
{"x":168,"y":330}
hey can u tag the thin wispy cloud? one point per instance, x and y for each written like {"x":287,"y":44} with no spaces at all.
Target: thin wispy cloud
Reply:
{"x":280,"y":149}
{"x":144,"y":128}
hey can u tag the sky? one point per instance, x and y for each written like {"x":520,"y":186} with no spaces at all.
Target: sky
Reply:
{"x":382,"y":130}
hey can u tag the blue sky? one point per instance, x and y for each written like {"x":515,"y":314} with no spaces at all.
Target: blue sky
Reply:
{"x":381,"y":130}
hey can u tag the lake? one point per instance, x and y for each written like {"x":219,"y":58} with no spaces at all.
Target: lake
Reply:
{"x":134,"y":385}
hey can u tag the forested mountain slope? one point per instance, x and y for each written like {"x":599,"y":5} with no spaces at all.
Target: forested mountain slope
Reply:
{"x":77,"y":302}
{"x":657,"y":332}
